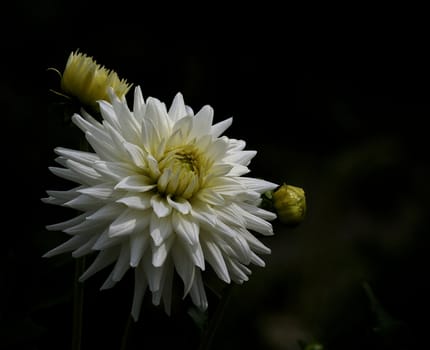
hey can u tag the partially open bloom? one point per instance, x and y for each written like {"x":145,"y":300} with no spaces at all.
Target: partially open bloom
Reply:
{"x":86,"y":80}
{"x":164,"y":191}
{"x":290,"y":204}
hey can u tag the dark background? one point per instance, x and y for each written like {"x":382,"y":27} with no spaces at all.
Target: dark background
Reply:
{"x":339,"y":109}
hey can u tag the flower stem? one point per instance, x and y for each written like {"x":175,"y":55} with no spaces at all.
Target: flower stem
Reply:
{"x":126,"y":333}
{"x":78,"y":304}
{"x":215,"y":320}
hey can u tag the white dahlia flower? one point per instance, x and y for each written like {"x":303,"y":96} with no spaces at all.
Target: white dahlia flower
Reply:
{"x":162,"y":192}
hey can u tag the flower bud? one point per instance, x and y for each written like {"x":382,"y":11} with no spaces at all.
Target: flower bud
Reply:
{"x":289,"y":203}
{"x":86,"y":80}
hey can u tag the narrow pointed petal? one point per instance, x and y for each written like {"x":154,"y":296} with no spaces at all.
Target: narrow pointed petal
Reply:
{"x":160,"y":206}
{"x":66,"y":224}
{"x":186,"y":228}
{"x":67,"y":246}
{"x":138,"y":245}
{"x":215,"y":258}
{"x":177,"y":109}
{"x":160,"y":229}
{"x":103,"y":259}
{"x":136,"y":200}
{"x":140,"y":285}
{"x":220,"y":127}
{"x":160,"y":253}
{"x":135,"y":183}
{"x":197,"y":292}
{"x":122,"y":263}
{"x":184,"y":266}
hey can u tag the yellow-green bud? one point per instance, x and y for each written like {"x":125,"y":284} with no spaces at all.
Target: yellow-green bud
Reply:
{"x":290,"y":204}
{"x":86,"y":80}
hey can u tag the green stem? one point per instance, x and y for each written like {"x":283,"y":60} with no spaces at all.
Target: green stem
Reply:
{"x":78,"y":304}
{"x":214,"y":322}
{"x":126,"y":334}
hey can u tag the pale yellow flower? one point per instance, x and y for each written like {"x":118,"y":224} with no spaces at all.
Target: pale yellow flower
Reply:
{"x":86,"y":80}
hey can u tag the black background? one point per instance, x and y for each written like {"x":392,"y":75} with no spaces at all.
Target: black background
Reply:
{"x":339,"y":108}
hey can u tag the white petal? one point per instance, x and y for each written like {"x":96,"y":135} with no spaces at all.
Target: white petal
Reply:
{"x":167,"y":285}
{"x":129,"y":221}
{"x":180,"y":204}
{"x":138,"y":104}
{"x":242,"y":249}
{"x":160,"y":252}
{"x":153,"y":274}
{"x":109,"y":114}
{"x":202,"y":121}
{"x":136,"y":154}
{"x":107,"y":212}
{"x":108,"y":283}
{"x":104,"y":149}
{"x":136,"y":201}
{"x":257,"y":185}
{"x":135,"y":183}
{"x":140,"y":285}
{"x":184,"y":266}
{"x":87,"y":227}
{"x":242,"y":157}
{"x":67,"y":246}
{"x":235,"y":145}
{"x":65,"y":196}
{"x":85,"y":158}
{"x":215,"y":258}
{"x":238,"y":170}
{"x":96,"y":129}
{"x":160,"y":206}
{"x":204,"y":213}
{"x":211,"y":197}
{"x":177,"y":109}
{"x":189,"y":110}
{"x":220,"y":169}
{"x":84,"y":203}
{"x":86,"y":174}
{"x":256,"y":260}
{"x":238,"y":272}
{"x":253,"y":242}
{"x":197,"y":292}
{"x":153,"y":166}
{"x":220,"y":127}
{"x":66,"y":174}
{"x":183,"y":127}
{"x":114,"y":170}
{"x":52,"y":200}
{"x":216,"y":150}
{"x":186,"y":228}
{"x":105,"y":241}
{"x":138,"y":245}
{"x":230,"y":215}
{"x":66,"y":224}
{"x":256,"y":224}
{"x":160,"y":229}
{"x":101,"y":191}
{"x":103,"y":259}
{"x":156,"y":120}
{"x":116,"y":139}
{"x":85,"y":248}
{"x":128,"y":124}
{"x":264,"y":214}
{"x":122,"y":263}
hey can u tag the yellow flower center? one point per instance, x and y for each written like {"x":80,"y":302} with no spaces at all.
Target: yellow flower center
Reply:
{"x":181,"y":172}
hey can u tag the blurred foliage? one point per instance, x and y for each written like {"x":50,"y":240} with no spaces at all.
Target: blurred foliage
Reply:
{"x":344,"y":122}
